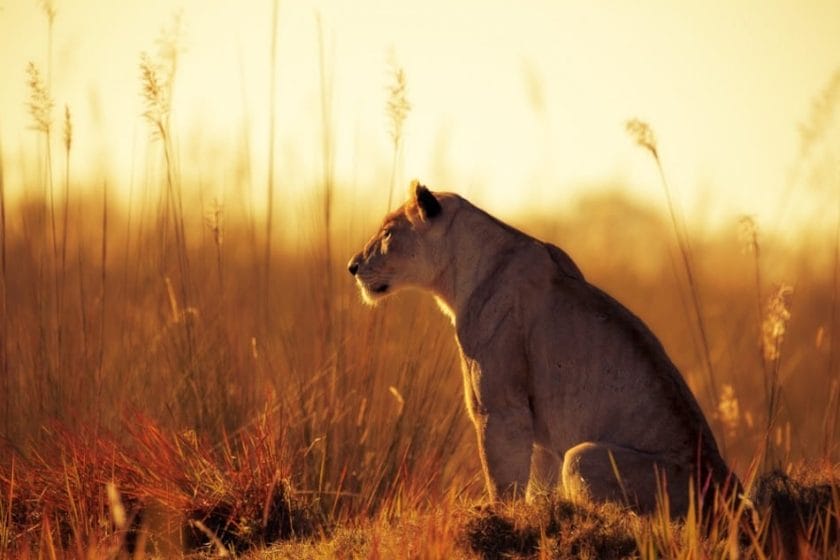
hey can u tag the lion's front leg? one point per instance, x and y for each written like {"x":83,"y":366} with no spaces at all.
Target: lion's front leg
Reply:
{"x":495,"y":382}
{"x":505,"y":443}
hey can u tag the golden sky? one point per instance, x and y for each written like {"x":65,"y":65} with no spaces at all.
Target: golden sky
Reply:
{"x":514,"y":104}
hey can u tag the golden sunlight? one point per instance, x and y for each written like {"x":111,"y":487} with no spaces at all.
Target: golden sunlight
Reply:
{"x":522,"y":108}
{"x":192,"y":196}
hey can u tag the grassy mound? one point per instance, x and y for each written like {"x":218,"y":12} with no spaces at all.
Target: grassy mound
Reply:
{"x":558,"y":529}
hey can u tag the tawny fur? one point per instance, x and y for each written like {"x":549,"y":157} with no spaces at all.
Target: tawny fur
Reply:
{"x":563,"y":384}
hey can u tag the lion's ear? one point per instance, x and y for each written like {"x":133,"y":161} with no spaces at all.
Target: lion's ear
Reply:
{"x":426,"y":201}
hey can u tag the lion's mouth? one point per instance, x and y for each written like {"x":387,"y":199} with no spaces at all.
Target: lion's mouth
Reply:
{"x":372,"y":288}
{"x":379,"y":288}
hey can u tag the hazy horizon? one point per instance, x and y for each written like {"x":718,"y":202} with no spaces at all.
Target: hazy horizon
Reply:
{"x":519,"y":109}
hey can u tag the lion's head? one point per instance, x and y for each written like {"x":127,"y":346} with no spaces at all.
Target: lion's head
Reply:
{"x":404,"y":252}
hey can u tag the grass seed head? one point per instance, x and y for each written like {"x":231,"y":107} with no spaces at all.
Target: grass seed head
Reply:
{"x":643,"y":135}
{"x":68,"y":128}
{"x":215,"y":220}
{"x":48,"y":7}
{"x":748,"y":234}
{"x":774,"y":326}
{"x":728,"y":410}
{"x":397,"y":107}
{"x":40,"y":104}
{"x":822,"y":117}
{"x":155,"y":94}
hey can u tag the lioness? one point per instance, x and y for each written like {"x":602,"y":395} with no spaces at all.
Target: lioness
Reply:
{"x":560,"y":379}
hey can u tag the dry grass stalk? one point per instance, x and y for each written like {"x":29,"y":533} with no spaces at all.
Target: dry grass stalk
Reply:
{"x":215,"y":220}
{"x":821,"y":116}
{"x":773,"y":330}
{"x":157,"y":86}
{"x":40,"y":105}
{"x":48,"y":8}
{"x":272,"y":116}
{"x":68,"y":143}
{"x":59,"y":262}
{"x":397,"y":108}
{"x":643,"y":135}
{"x":748,"y":237}
{"x":103,"y":298}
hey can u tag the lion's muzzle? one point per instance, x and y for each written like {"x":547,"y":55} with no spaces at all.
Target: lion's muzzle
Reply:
{"x":353,"y":265}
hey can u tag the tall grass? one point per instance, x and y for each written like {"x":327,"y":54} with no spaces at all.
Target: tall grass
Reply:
{"x":387,"y":439}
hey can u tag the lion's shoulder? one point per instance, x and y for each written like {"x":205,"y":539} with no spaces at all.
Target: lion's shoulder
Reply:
{"x":564,"y":262}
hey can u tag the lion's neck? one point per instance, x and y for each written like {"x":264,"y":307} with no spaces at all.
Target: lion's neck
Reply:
{"x":479,"y":247}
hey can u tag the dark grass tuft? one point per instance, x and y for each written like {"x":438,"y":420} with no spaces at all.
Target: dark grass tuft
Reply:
{"x":259,"y":517}
{"x":493,"y":535}
{"x":587,"y":531}
{"x":560,"y":528}
{"x":803,"y":509}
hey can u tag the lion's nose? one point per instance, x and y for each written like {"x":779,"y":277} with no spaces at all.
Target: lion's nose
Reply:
{"x":353,"y":265}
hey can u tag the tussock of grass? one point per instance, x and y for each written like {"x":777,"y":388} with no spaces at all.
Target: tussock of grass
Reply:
{"x":557,"y":529}
{"x":803,"y":510}
{"x":596,"y":532}
{"x":492,"y":535}
{"x":434,"y":533}
{"x":795,"y":515}
{"x":103,"y":493}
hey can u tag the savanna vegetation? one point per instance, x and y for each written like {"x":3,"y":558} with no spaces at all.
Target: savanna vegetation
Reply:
{"x":178,"y":378}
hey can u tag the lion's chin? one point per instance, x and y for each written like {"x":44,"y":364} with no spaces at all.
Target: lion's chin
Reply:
{"x":372,"y":294}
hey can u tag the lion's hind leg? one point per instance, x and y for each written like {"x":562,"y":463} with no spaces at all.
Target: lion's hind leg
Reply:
{"x":603,"y":472}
